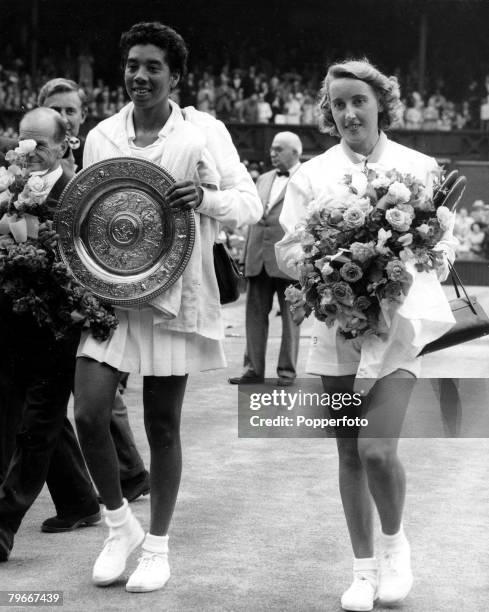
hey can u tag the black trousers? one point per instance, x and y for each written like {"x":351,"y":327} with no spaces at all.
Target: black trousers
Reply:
{"x":37,"y":375}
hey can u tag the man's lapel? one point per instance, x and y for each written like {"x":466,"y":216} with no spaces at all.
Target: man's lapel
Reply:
{"x":281,"y":195}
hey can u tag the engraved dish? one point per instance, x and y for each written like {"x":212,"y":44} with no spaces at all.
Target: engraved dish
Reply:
{"x":118,"y":236}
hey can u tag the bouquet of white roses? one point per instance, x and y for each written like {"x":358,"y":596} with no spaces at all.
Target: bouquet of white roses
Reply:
{"x":356,"y":244}
{"x":30,"y":276}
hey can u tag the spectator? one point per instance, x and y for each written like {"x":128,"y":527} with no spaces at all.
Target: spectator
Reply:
{"x":206,"y":96}
{"x":414,"y":114}
{"x":431,"y":116}
{"x":250,"y":109}
{"x":188,"y":91}
{"x":463,"y":223}
{"x":476,"y":238}
{"x":264,"y":110}
{"x":292,"y":109}
{"x":225,"y":97}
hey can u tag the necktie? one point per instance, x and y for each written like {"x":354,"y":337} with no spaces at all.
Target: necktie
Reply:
{"x":284,"y":173}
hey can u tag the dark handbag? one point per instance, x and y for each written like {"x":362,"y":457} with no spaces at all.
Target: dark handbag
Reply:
{"x":228,"y":274}
{"x":471,"y":320}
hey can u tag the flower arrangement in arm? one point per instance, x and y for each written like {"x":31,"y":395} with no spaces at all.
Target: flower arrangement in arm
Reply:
{"x":34,"y":281}
{"x":356,"y":245}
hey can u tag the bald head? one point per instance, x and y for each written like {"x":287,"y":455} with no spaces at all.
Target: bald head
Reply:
{"x":45,"y":120}
{"x":285,"y":151}
{"x":47,"y":128}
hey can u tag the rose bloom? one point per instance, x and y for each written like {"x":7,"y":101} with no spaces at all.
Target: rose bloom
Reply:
{"x":354,"y":217}
{"x":328,"y":237}
{"x":361,"y":303}
{"x":399,"y":192}
{"x":407,"y":208}
{"x":326,"y":297}
{"x":396,"y":270}
{"x":26,"y":146}
{"x":335,"y":217}
{"x":398,"y":219}
{"x":361,"y":251}
{"x":380,"y":182}
{"x":293,"y":295}
{"x":392,"y":290}
{"x":342,"y":293}
{"x":328,"y":245}
{"x":351,"y":272}
{"x":37,"y":186}
{"x":364,"y":204}
{"x":445,"y":217}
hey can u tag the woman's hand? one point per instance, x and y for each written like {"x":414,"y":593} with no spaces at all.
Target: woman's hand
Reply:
{"x":184,"y":195}
{"x":47,"y":236}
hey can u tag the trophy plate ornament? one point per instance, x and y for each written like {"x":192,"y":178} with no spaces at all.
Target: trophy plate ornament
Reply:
{"x":118,"y":236}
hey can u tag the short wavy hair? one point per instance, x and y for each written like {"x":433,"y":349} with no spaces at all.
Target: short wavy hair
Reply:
{"x":385,"y":87}
{"x":162,"y":36}
{"x":60,"y":85}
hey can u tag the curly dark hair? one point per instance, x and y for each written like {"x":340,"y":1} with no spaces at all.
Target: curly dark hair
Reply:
{"x":162,"y":36}
{"x":386,"y":89}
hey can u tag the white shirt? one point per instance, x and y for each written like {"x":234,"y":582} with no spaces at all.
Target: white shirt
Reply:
{"x":154,"y":151}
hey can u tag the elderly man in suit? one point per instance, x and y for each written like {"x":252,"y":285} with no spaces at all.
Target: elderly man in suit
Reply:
{"x":41,"y":373}
{"x":264,"y":277}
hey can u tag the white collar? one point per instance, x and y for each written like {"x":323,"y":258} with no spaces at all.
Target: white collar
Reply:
{"x":372,"y":157}
{"x":290,"y":170}
{"x":173,"y":120}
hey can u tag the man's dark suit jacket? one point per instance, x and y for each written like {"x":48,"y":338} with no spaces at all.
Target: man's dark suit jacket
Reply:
{"x":27,"y":348}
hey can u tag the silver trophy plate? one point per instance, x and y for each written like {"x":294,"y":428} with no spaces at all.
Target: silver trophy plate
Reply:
{"x":117,"y":235}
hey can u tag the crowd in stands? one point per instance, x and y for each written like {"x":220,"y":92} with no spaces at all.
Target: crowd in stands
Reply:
{"x":257,"y":94}
{"x":472,"y":231}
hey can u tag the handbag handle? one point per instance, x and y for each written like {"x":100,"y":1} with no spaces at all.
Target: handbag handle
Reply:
{"x":456,"y":279}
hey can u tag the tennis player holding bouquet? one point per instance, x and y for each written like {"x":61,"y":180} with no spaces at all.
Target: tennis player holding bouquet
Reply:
{"x":370,"y":250}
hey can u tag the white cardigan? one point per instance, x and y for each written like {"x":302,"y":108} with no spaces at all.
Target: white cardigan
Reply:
{"x":185,"y":156}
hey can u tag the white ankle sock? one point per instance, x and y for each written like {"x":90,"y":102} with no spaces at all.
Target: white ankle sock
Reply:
{"x":156,"y":544}
{"x":118,"y":516}
{"x":394,"y":541}
{"x":366,"y":567}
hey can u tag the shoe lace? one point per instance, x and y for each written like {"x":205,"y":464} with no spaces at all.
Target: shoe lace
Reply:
{"x":362,"y":582}
{"x":111,"y":543}
{"x":390,"y":561}
{"x":148,"y":559}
